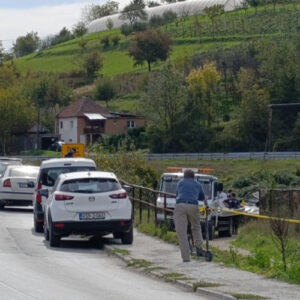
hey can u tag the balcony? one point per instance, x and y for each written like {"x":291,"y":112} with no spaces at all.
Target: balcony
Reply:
{"x":93,"y":129}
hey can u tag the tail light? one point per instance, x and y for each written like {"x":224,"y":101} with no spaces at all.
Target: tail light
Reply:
{"x":7,"y":183}
{"x":118,"y":196}
{"x":38,"y":197}
{"x":61,"y":197}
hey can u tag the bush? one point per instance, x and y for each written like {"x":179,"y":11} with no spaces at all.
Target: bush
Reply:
{"x":169,"y":16}
{"x":105,"y":41}
{"x":126,"y":29}
{"x":156,"y":21}
{"x":283,"y":178}
{"x":139,"y":26}
{"x":242,"y":182}
{"x":115,"y":40}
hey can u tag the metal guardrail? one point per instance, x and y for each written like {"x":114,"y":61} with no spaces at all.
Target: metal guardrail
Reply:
{"x":229,"y":155}
{"x":195,"y":156}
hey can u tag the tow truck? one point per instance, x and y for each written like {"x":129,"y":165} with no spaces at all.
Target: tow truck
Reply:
{"x":225,"y":223}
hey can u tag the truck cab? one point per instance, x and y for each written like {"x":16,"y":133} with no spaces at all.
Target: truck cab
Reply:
{"x":218,"y":220}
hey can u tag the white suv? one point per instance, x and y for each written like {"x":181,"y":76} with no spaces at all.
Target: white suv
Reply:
{"x":90,"y":203}
{"x":49,"y":171}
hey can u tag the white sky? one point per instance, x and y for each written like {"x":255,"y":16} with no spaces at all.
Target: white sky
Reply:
{"x":18,"y":17}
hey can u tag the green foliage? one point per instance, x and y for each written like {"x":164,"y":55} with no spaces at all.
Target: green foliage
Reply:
{"x":242,"y":182}
{"x":150,"y":46}
{"x":26,"y":44}
{"x":92,"y":63}
{"x":115,"y":39}
{"x":129,"y":166}
{"x":126,"y":29}
{"x":109,"y":24}
{"x":79,"y":29}
{"x":105,"y":41}
{"x":105,"y":89}
{"x":283,"y":178}
{"x":134,"y":11}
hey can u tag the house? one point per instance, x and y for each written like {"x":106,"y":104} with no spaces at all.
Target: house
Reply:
{"x":84,"y":121}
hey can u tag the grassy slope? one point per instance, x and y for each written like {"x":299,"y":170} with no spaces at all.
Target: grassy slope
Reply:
{"x":64,"y":57}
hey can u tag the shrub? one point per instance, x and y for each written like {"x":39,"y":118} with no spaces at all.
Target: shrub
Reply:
{"x":242,"y":182}
{"x":126,"y":29}
{"x":139,"y":26}
{"x":156,"y":21}
{"x":284,"y":178}
{"x":115,"y":40}
{"x":105,"y":41}
{"x":169,"y":16}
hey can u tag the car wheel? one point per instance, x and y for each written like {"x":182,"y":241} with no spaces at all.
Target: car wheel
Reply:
{"x":127,"y":237}
{"x":54,"y":240}
{"x":38,"y":227}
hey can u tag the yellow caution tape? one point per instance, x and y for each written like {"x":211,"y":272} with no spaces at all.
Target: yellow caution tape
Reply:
{"x":238,"y":212}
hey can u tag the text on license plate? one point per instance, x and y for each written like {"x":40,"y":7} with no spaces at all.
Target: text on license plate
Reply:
{"x":91,"y":215}
{"x":23,"y":185}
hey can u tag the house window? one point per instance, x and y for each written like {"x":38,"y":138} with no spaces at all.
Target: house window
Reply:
{"x":130,"y":124}
{"x":61,"y":124}
{"x":71,"y":123}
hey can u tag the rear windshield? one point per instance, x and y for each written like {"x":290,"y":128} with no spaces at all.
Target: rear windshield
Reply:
{"x":90,"y":185}
{"x":23,"y":172}
{"x":49,"y":175}
{"x":169,"y":184}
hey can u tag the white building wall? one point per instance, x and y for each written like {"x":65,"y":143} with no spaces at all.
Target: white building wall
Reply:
{"x":189,"y":7}
{"x":67,"y":128}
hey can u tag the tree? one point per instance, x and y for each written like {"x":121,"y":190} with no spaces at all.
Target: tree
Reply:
{"x":109,"y":24}
{"x":8,"y":75}
{"x":152,"y":4}
{"x":166,"y":95}
{"x":213,"y":12}
{"x":150,"y":46}
{"x":93,"y":12}
{"x":16,"y":115}
{"x":253,"y":3}
{"x":79,"y":29}
{"x":202,"y":84}
{"x":105,"y":90}
{"x":92,"y":63}
{"x":2,"y":54}
{"x":26,"y":44}
{"x":126,"y":30}
{"x":63,"y":36}
{"x":134,"y":11}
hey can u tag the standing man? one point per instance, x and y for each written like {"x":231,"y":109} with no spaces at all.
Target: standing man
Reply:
{"x":188,"y":192}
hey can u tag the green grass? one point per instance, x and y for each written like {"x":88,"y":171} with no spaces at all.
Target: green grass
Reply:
{"x":175,"y":277}
{"x":248,"y":296}
{"x":204,"y":284}
{"x":139,"y":263}
{"x":40,"y":153}
{"x":121,"y":251}
{"x":232,"y":28}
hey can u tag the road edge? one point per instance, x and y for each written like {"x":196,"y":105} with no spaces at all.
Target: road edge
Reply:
{"x":180,"y":283}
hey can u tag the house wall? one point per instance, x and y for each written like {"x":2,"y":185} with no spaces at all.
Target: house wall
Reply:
{"x":68,"y":130}
{"x":119,"y":126}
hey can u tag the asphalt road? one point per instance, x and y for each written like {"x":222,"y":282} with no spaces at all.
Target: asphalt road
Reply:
{"x":79,"y":269}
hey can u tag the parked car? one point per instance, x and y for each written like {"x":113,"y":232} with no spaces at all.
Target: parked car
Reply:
{"x":91,"y":203}
{"x":5,"y":163}
{"x":10,"y":159}
{"x":49,"y":171}
{"x":17,"y":185}
{"x":56,"y":146}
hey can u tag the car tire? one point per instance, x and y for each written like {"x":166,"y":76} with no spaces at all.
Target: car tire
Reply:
{"x":127,"y":237}
{"x":54,"y":240}
{"x":38,"y":227}
{"x":229,"y":232}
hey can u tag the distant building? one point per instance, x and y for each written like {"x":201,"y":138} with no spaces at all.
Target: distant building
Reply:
{"x":86,"y":122}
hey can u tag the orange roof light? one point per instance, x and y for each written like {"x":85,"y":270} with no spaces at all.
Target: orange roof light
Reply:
{"x":174,"y":169}
{"x":206,"y":171}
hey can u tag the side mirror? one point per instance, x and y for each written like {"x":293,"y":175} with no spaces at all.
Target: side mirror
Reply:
{"x":30,"y":184}
{"x":127,"y":188}
{"x":155,"y":184}
{"x":44,"y":193}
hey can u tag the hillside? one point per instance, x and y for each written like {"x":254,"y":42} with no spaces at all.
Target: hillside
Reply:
{"x":191,"y":35}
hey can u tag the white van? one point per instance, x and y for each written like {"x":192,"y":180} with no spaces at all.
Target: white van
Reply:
{"x":49,"y":171}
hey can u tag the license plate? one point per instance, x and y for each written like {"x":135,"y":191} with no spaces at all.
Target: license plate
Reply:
{"x":91,"y":215}
{"x":23,"y":185}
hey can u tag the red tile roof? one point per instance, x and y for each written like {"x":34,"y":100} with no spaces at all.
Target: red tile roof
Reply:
{"x":81,"y":106}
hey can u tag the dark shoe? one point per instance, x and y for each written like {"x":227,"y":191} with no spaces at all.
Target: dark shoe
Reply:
{"x":200,"y":252}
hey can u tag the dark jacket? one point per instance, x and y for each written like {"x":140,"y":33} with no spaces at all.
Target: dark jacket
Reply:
{"x":189,"y":191}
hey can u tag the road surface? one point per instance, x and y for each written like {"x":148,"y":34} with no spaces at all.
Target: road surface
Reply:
{"x":79,"y":269}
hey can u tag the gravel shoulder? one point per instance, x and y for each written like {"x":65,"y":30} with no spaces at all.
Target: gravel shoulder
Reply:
{"x":166,"y":263}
